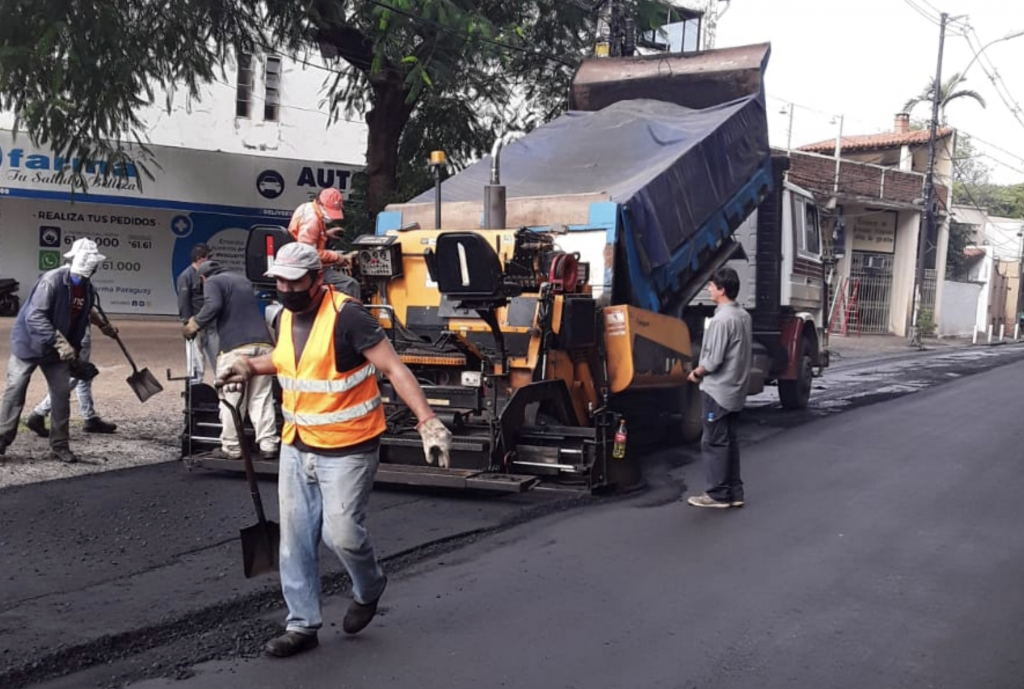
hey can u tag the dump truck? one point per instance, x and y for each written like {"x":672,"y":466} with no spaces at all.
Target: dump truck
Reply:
{"x":548,"y":297}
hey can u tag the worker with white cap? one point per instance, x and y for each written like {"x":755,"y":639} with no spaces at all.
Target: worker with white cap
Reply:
{"x":92,"y":423}
{"x":48,"y":334}
{"x":329,"y":351}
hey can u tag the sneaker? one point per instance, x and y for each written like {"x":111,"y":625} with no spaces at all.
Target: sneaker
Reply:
{"x":736,"y":503}
{"x":97,"y":425}
{"x":291,"y":643}
{"x":705,"y":500}
{"x":360,"y":614}
{"x":63,"y":454}
{"x":37,"y":424}
{"x":270,"y":452}
{"x":221,"y":453}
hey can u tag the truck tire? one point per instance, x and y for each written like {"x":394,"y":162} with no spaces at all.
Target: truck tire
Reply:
{"x":795,"y":394}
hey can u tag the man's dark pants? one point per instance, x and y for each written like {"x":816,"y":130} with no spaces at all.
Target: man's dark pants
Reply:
{"x":721,"y":451}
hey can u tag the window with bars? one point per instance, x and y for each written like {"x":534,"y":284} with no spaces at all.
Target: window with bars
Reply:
{"x":244,"y":85}
{"x":272,"y":86}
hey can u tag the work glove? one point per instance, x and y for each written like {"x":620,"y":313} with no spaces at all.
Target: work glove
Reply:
{"x":191,"y":328}
{"x":234,"y":378}
{"x":64,"y":348}
{"x":83,"y":370}
{"x":437,"y":441}
{"x":99,"y":319}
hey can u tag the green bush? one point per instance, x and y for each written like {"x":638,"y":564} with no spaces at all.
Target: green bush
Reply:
{"x":926,"y":323}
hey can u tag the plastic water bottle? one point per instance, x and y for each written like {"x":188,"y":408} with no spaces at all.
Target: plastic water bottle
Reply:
{"x":619,"y":448}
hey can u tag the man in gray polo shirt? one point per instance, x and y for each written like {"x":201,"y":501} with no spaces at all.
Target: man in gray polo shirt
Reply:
{"x":725,"y":359}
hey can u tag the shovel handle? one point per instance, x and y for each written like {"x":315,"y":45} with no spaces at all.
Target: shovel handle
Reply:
{"x":118,"y":339}
{"x":250,"y":472}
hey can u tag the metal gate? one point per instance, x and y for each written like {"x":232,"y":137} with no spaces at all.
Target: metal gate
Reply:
{"x":871,"y":276}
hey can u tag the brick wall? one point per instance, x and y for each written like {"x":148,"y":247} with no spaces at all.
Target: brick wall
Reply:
{"x":817,"y":174}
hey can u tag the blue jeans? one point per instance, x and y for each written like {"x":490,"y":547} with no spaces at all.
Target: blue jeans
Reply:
{"x":320,"y":495}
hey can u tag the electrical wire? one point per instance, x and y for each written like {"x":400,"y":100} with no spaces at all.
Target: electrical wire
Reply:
{"x":993,"y":74}
{"x":923,"y":12}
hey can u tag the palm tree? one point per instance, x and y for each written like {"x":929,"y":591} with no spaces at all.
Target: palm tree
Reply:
{"x":947,"y":94}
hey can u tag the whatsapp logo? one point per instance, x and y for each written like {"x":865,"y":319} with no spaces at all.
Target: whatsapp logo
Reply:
{"x":48,"y":260}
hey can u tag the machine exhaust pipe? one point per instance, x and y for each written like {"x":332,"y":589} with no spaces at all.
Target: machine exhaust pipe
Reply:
{"x":494,"y":193}
{"x":437,"y":162}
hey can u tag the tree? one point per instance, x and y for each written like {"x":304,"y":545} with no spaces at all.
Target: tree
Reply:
{"x":76,"y":72}
{"x":947,"y":93}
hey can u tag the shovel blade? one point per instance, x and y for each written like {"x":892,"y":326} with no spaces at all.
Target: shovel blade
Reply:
{"x":144,"y":384}
{"x":260,"y":543}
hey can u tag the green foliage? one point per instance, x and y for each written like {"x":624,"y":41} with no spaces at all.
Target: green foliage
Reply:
{"x":950,"y":91}
{"x":960,"y":237}
{"x":459,"y":73}
{"x":926,"y":324}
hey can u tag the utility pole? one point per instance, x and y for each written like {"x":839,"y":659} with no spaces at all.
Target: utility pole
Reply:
{"x":928,"y":221}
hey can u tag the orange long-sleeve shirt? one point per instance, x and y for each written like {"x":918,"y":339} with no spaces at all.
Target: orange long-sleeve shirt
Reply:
{"x":307,"y":226}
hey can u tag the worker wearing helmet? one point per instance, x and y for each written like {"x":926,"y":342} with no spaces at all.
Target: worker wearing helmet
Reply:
{"x":316,"y":221}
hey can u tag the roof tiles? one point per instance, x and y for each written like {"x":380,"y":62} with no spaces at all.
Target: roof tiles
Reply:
{"x":869,"y":142}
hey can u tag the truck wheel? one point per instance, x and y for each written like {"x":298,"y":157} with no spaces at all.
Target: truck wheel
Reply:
{"x":794,"y":394}
{"x":690,"y":425}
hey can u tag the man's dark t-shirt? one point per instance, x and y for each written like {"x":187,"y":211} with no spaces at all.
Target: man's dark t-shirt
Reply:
{"x":355,"y":331}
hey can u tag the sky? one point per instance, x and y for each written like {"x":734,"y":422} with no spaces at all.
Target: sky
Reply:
{"x":863,"y":59}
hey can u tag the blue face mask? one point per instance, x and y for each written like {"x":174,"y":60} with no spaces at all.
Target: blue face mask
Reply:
{"x":76,"y":280}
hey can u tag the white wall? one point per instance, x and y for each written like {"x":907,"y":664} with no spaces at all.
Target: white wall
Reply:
{"x":958,"y":316}
{"x":302,"y":132}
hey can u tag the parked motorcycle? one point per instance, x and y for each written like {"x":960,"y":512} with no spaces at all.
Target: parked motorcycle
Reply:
{"x":9,"y":301}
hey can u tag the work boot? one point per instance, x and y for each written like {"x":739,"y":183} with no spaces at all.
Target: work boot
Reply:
{"x":97,"y":425}
{"x":290,"y":643}
{"x":360,"y":614}
{"x":63,"y":454}
{"x":37,"y":424}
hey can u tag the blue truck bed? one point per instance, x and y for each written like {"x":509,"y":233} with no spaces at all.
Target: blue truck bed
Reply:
{"x":683,"y":178}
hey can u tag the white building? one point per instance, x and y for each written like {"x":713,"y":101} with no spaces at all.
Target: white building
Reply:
{"x":255,"y":146}
{"x":988,"y":296}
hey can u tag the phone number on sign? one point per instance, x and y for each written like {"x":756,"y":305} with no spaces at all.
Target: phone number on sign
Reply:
{"x":101,"y":242}
{"x":125,"y":266}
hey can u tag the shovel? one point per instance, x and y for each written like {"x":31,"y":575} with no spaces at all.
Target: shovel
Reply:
{"x":260,"y":541}
{"x":143,"y":383}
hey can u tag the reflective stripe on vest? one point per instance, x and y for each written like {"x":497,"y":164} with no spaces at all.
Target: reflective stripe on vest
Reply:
{"x":330,"y":409}
{"x":327,"y":386}
{"x":348,"y":414}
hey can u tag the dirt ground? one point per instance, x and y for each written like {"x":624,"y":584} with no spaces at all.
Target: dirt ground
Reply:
{"x":146,"y":433}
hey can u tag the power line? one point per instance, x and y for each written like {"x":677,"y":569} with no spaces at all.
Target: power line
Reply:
{"x":930,"y":6}
{"x":993,"y":74}
{"x":975,"y":137}
{"x":921,"y":11}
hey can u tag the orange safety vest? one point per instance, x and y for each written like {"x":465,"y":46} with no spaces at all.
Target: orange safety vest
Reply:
{"x":334,"y":410}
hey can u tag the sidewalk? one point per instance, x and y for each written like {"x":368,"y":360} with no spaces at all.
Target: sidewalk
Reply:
{"x":847,"y":348}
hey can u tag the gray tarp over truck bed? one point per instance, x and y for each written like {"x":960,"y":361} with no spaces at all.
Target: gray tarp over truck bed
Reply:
{"x":671,"y":167}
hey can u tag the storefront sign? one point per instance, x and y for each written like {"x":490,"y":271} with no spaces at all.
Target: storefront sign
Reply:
{"x":145,"y":225}
{"x":875,"y":231}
